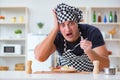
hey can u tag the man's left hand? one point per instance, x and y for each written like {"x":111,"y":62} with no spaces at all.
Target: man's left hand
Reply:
{"x":85,"y":44}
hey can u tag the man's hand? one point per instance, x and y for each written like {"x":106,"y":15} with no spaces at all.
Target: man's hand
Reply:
{"x":85,"y":45}
{"x":56,"y":25}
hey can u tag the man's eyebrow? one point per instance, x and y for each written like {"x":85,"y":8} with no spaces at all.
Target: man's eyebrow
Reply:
{"x":71,"y":21}
{"x":61,"y":23}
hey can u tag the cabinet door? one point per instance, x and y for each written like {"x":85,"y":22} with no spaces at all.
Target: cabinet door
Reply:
{"x":33,"y":40}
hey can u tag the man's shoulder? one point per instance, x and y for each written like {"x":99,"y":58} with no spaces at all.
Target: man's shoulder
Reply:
{"x":87,"y":26}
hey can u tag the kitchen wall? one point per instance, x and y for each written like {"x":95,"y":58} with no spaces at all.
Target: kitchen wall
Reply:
{"x":41,"y":10}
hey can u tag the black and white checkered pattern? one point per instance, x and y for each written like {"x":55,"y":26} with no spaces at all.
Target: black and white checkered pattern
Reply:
{"x":65,"y":13}
{"x":80,"y":63}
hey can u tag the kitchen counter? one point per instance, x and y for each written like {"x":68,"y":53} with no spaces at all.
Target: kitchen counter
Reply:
{"x":21,"y":75}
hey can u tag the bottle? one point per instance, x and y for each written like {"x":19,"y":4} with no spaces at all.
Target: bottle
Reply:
{"x":110,"y":17}
{"x":99,"y":17}
{"x":115,"y":17}
{"x":105,"y":19}
{"x":94,"y":17}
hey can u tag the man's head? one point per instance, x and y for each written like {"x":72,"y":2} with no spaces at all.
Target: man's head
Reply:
{"x":68,"y":13}
{"x":68,"y":19}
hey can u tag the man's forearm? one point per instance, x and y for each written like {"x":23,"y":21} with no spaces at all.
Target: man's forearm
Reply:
{"x":104,"y":61}
{"x":43,"y":50}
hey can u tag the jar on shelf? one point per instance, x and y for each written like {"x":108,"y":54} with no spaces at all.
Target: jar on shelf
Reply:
{"x":13,"y":19}
{"x":21,"y":19}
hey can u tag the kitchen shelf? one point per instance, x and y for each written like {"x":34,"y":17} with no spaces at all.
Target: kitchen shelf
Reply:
{"x":10,"y":23}
{"x":112,"y":44}
{"x":114,"y":56}
{"x":112,"y":39}
{"x":102,"y":23}
{"x":11,"y":55}
{"x":13,"y":39}
{"x":16,"y":17}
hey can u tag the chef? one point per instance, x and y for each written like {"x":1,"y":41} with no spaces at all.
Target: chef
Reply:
{"x":78,"y":45}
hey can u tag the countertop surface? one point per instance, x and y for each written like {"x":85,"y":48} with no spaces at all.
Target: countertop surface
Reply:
{"x":21,"y":75}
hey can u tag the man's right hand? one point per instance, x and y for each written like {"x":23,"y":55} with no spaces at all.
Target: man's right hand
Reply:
{"x":56,"y":25}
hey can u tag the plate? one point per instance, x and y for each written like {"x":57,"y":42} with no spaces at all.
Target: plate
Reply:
{"x":58,"y":71}
{"x":64,"y":71}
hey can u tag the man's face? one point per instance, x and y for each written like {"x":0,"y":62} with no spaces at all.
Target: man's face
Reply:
{"x":69,"y":30}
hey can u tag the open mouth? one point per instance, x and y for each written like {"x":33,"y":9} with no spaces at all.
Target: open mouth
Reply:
{"x":69,"y":35}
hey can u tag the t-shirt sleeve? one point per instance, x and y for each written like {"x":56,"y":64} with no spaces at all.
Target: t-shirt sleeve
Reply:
{"x":97,"y":38}
{"x":59,"y":43}
{"x":58,"y":39}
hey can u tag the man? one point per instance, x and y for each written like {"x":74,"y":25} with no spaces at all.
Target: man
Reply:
{"x":78,"y":45}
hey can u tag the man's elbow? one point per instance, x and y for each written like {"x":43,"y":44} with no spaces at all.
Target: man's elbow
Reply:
{"x":40,"y":58}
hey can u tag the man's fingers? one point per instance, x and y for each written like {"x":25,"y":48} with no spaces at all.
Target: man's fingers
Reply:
{"x":82,"y":38}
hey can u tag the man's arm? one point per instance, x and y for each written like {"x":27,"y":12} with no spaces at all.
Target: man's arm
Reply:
{"x":98,"y":53}
{"x":47,"y":47}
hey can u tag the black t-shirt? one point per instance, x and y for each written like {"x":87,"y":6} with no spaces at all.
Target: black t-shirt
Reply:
{"x":87,"y":31}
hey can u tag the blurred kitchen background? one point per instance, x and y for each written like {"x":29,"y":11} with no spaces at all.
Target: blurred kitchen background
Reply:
{"x":41,"y":11}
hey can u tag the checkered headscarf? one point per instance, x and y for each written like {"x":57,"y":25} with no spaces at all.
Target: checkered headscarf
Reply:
{"x":65,"y":12}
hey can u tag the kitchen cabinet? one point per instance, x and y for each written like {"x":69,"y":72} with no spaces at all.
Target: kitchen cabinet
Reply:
{"x":32,"y":41}
{"x":14,"y":18}
{"x":107,"y":26}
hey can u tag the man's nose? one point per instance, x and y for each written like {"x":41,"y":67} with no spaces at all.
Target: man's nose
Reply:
{"x":67,"y":28}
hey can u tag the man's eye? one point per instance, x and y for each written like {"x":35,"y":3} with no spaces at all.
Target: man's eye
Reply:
{"x":62,"y":25}
{"x":71,"y":23}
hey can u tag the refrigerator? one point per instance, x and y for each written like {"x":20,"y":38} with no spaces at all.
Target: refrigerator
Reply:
{"x":32,"y":41}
